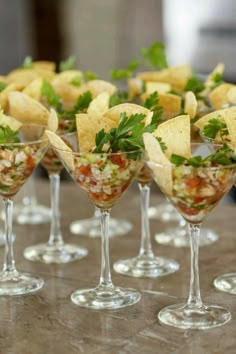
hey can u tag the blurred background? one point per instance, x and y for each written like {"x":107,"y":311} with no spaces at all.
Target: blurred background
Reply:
{"x":107,"y":34}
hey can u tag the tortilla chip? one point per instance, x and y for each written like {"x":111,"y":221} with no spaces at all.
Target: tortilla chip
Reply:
{"x":231,"y":126}
{"x":219,"y":96}
{"x":34,"y":89}
{"x":231,"y":95}
{"x":176,"y":76}
{"x":26,"y":109}
{"x":52,"y":120}
{"x":4,"y":95}
{"x":98,"y":86}
{"x":160,"y":87}
{"x":64,"y":152}
{"x":200,"y":123}
{"x":170,"y":103}
{"x":219,"y":69}
{"x":68,"y":76}
{"x":175,"y":133}
{"x":129,"y":108}
{"x":44,"y":64}
{"x":134,"y":87}
{"x":11,"y":122}
{"x":190,"y":104}
{"x":158,"y":163}
{"x":22,"y":77}
{"x":88,"y":125}
{"x":99,"y":104}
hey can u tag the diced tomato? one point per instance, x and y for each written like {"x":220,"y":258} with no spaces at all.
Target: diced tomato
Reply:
{"x":124,"y":187}
{"x":119,"y":160}
{"x":193,"y":182}
{"x":187,"y":210}
{"x":84,"y":170}
{"x":30,"y":162}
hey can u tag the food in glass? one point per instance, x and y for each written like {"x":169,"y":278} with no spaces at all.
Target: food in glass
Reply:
{"x":194,"y":185}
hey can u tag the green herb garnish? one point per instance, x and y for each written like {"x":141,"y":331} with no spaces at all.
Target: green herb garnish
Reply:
{"x":118,"y":98}
{"x":27,"y":63}
{"x":89,"y":75}
{"x":222,"y":156}
{"x":151,"y":103}
{"x":155,"y":56}
{"x":77,"y":81}
{"x":80,"y":106}
{"x":126,"y":73}
{"x":195,"y":85}
{"x":214,"y":126}
{"x":68,"y":64}
{"x":127,"y":136}
{"x":162,"y":144}
{"x":217,"y":80}
{"x":51,"y":97}
{"x":7,"y":135}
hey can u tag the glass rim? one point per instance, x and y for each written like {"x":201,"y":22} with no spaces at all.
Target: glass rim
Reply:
{"x":22,"y":143}
{"x":79,"y":153}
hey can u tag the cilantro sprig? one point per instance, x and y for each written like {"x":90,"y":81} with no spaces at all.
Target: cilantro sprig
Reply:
{"x":213,"y":127}
{"x":51,"y":97}
{"x":126,"y":73}
{"x":27,"y":63}
{"x":3,"y":85}
{"x":67,"y":64}
{"x":127,"y":136}
{"x":222,"y":156}
{"x":151,"y":103}
{"x":7,"y":135}
{"x":195,"y":85}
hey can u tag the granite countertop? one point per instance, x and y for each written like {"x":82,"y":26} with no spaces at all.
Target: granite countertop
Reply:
{"x":48,"y":322}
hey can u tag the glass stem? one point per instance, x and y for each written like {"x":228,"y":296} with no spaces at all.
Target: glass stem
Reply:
{"x":29,"y":197}
{"x":194,"y":299}
{"x":55,"y":231}
{"x":105,"y":278}
{"x":146,"y":247}
{"x":96,"y":213}
{"x":9,"y":262}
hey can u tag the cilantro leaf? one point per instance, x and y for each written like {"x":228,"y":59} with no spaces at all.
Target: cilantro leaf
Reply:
{"x":3,"y":85}
{"x":217,"y":79}
{"x":27,"y":63}
{"x":214,"y":126}
{"x":195,"y":85}
{"x":151,"y":103}
{"x":7,"y":135}
{"x":89,"y":75}
{"x":49,"y":94}
{"x":118,"y":98}
{"x":67,"y":64}
{"x":80,"y":106}
{"x":162,"y":144}
{"x":126,"y":73}
{"x":155,"y":56}
{"x":177,"y":159}
{"x":77,"y":81}
{"x":223,"y":156}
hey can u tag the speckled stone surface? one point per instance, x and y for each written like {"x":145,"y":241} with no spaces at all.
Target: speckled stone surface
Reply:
{"x":48,"y":322}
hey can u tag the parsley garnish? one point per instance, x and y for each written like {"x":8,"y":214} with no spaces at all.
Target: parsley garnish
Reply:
{"x":222,"y":156}
{"x":89,"y":75}
{"x":7,"y":135}
{"x":195,"y":85}
{"x":27,"y":63}
{"x":217,"y":79}
{"x":127,"y":136}
{"x":162,"y":144}
{"x":3,"y":85}
{"x":118,"y":98}
{"x":80,"y":106}
{"x":77,"y":81}
{"x":126,"y":73}
{"x":214,"y":126}
{"x":51,"y":97}
{"x":151,"y":103}
{"x":68,"y":64}
{"x":155,"y":56}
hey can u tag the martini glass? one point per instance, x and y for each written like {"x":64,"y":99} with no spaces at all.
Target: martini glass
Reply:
{"x":104,"y":177}
{"x":18,"y":161}
{"x":91,"y":227}
{"x":194,"y":192}
{"x":145,"y":264}
{"x":225,"y":282}
{"x":55,"y":250}
{"x":29,"y":211}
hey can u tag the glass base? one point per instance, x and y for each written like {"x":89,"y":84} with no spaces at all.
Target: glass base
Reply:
{"x":149,"y":267}
{"x":179,"y":237}
{"x":164,"y":212}
{"x":92,"y":227}
{"x":183,"y":317}
{"x":32,"y":214}
{"x":105,"y":298}
{"x":15,"y":283}
{"x":226,"y":283}
{"x":45,"y":253}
